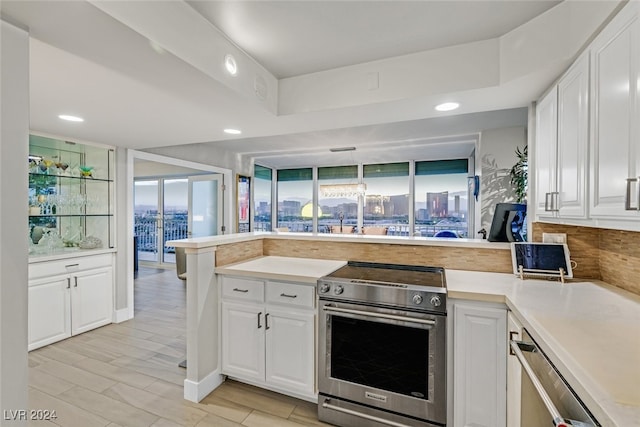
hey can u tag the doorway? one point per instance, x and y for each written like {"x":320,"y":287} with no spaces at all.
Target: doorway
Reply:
{"x":153,"y":167}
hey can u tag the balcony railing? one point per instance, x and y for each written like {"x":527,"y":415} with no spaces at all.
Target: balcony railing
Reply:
{"x":148,"y":231}
{"x":423,"y":230}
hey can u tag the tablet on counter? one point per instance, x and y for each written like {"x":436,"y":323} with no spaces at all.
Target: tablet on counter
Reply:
{"x":541,"y":259}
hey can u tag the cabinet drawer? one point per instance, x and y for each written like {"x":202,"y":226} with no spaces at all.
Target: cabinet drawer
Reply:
{"x":243,"y":289}
{"x":290,"y":294}
{"x":69,"y":265}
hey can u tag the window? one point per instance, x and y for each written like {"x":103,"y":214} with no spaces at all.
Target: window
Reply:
{"x":337,"y":197}
{"x":441,"y":198}
{"x":386,"y":201}
{"x":262,"y":198}
{"x":295,"y":199}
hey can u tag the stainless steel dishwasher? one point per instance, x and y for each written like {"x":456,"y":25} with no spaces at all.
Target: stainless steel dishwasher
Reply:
{"x":546,"y":397}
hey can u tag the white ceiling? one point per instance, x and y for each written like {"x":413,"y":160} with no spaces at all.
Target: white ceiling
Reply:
{"x":148,"y":74}
{"x":290,"y":38}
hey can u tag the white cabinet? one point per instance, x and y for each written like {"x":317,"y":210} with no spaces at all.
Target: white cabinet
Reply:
{"x":573,"y":138}
{"x":268,"y":334}
{"x":562,"y":125}
{"x":91,"y":299}
{"x":479,"y":364}
{"x":49,"y":310}
{"x":545,"y":153}
{"x":243,"y":340}
{"x":615,"y":127}
{"x":290,"y":349}
{"x":514,"y":374}
{"x":62,"y":305}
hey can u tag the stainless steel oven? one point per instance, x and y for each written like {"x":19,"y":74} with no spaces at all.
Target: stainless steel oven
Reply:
{"x":382,"y":346}
{"x":546,"y":399}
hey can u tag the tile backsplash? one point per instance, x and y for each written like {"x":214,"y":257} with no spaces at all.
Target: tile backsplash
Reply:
{"x":610,"y":255}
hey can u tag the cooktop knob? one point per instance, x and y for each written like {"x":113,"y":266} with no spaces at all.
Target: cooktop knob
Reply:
{"x":417,"y":299}
{"x":338,"y":290}
{"x":324,"y":288}
{"x":435,"y":301}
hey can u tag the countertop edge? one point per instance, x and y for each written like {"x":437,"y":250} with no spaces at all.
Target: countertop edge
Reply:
{"x":211,"y":241}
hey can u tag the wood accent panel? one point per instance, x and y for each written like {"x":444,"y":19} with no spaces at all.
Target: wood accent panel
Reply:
{"x":620,"y":259}
{"x":583,"y":245}
{"x":236,"y":252}
{"x":493,"y":260}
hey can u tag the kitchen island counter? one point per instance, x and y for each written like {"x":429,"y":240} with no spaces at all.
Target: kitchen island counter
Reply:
{"x":587,"y":328}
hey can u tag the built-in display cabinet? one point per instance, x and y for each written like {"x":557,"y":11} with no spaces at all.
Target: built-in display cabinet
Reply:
{"x":587,"y":150}
{"x":71,"y":202}
{"x":71,"y":238}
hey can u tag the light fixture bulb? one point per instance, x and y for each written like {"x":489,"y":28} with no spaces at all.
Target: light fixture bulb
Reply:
{"x":70,"y":118}
{"x":447,"y":106}
{"x":230,"y":64}
{"x":233,"y":131}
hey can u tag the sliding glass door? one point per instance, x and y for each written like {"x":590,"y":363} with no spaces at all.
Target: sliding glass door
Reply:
{"x":160,"y":214}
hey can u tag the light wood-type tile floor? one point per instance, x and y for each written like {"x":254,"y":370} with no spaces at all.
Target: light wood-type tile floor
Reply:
{"x":127,"y":374}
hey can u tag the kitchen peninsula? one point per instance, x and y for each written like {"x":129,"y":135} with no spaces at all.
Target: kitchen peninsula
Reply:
{"x":577,"y":324}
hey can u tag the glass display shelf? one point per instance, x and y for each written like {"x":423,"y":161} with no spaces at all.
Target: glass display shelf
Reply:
{"x":71,"y":195}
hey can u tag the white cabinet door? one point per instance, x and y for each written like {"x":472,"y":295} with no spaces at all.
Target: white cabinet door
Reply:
{"x":49,"y":311}
{"x":573,"y":131}
{"x":615,"y":90}
{"x":91,"y":299}
{"x":479,"y":365}
{"x":514,"y":374}
{"x":290,"y":349}
{"x":545,"y":153}
{"x":243,"y":340}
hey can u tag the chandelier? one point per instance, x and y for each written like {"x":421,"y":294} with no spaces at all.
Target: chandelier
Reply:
{"x":342,"y":190}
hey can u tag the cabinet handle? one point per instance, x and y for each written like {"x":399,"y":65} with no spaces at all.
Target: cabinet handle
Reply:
{"x":244,"y":291}
{"x":547,"y":202}
{"x":75,"y":281}
{"x":627,"y":199}
{"x":288,"y":296}
{"x":556,"y":201}
{"x":71,"y":265}
{"x":512,"y":337}
{"x":259,"y":324}
{"x":266,"y":321}
{"x":68,"y":282}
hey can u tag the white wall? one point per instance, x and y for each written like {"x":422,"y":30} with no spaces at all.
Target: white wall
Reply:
{"x":14,"y":143}
{"x":496,"y":157}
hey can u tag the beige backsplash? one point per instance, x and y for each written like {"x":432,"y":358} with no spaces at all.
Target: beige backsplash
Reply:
{"x":610,"y":255}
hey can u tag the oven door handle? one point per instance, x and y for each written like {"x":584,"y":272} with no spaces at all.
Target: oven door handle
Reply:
{"x":379,"y":315}
{"x":368,"y":417}
{"x":558,"y":420}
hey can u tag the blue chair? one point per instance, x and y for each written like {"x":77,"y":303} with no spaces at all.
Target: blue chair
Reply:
{"x":446,"y":233}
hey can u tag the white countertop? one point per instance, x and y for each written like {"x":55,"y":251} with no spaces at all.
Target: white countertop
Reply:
{"x":590,"y":330}
{"x":304,"y":270}
{"x":211,"y":241}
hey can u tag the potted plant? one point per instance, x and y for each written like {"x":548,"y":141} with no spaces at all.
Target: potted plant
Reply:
{"x":518,"y":175}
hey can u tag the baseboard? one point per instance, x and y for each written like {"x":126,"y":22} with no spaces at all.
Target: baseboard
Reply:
{"x":196,"y":391}
{"x":121,"y":315}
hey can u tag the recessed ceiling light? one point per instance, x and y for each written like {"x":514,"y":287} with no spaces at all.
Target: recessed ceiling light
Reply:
{"x":70,"y":118}
{"x":230,"y":64}
{"x":447,"y":106}
{"x":233,"y":131}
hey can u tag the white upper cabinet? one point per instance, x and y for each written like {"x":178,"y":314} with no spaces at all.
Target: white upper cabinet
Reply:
{"x":587,"y":147}
{"x":615,"y":117}
{"x":562,"y":132}
{"x":545,"y":153}
{"x":573,"y":138}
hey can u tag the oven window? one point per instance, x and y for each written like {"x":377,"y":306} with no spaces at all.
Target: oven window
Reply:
{"x":388,"y":357}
